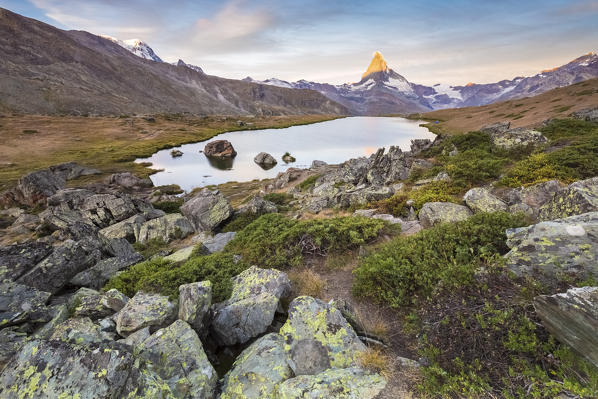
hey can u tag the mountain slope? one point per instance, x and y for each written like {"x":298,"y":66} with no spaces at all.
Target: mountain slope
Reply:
{"x":47,"y":70}
{"x":137,"y":47}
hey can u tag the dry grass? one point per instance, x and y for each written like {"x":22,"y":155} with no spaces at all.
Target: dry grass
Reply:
{"x":374,"y":323}
{"x":377,"y":361}
{"x":523,"y":112}
{"x":347,"y":260}
{"x":307,"y":282}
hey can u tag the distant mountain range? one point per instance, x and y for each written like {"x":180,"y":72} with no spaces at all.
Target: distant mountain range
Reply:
{"x":381,"y":90}
{"x":51,"y":71}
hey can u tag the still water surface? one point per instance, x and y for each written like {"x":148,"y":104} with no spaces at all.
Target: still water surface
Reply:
{"x":332,"y":142}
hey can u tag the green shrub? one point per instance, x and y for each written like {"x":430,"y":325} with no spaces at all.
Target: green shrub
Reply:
{"x":151,"y":247}
{"x":407,"y":269}
{"x":274,"y":241}
{"x":395,"y":205}
{"x":434,"y":192}
{"x":239,"y":221}
{"x":163,"y":277}
{"x":280,"y":199}
{"x":170,"y":189}
{"x":169,"y":206}
{"x":308,"y":183}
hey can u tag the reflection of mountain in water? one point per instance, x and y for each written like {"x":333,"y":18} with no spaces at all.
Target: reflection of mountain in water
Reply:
{"x":221,"y":163}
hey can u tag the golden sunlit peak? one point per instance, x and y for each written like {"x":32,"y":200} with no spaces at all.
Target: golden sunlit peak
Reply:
{"x":378,"y":64}
{"x":470,"y":84}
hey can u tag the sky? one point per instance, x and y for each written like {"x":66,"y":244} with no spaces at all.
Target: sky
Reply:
{"x":427,"y":41}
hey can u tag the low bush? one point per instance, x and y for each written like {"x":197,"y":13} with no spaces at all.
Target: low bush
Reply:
{"x":274,"y":241}
{"x":308,"y":183}
{"x":151,"y":247}
{"x":408,"y":269}
{"x":280,"y":199}
{"x":169,"y":206}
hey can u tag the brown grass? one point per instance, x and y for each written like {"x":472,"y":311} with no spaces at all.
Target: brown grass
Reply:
{"x":377,"y":361}
{"x":523,"y":112}
{"x":111,"y":144}
{"x":307,"y":282}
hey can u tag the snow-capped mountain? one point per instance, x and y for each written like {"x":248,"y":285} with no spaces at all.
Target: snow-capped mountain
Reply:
{"x":382,"y":90}
{"x":137,"y":47}
{"x":183,"y":64}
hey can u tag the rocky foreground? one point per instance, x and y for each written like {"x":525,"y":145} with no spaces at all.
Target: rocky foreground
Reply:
{"x":62,"y":336}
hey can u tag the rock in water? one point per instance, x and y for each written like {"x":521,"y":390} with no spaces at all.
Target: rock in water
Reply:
{"x":251,"y":307}
{"x":312,"y":319}
{"x":349,"y":383}
{"x":220,"y":149}
{"x":265,"y":160}
{"x":176,"y":354}
{"x":579,"y":197}
{"x":562,"y":247}
{"x":433,"y":213}
{"x":481,"y":200}
{"x":572,"y":317}
{"x":258,"y":371}
{"x":207,"y":210}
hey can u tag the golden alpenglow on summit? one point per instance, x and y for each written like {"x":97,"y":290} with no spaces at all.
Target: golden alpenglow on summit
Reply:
{"x":378,"y":64}
{"x":242,"y":223}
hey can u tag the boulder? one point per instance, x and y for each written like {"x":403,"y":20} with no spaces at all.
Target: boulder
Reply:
{"x":207,"y":210}
{"x":56,"y":270}
{"x":105,"y":209}
{"x":11,"y":340}
{"x":144,"y":310}
{"x":562,"y":247}
{"x":78,"y":331}
{"x":480,"y":199}
{"x":72,"y":170}
{"x":176,"y":153}
{"x":220,"y":149}
{"x":181,"y":255}
{"x":517,"y":137}
{"x":387,"y":168}
{"x":433,"y":213}
{"x":195,"y":300}
{"x":127,"y":229}
{"x":258,"y":370}
{"x":496,"y":128}
{"x":65,"y":224}
{"x":579,"y":197}
{"x":137,"y":338}
{"x":265,"y":160}
{"x":258,"y":206}
{"x":17,"y":259}
{"x":129,"y":180}
{"x":166,"y":228}
{"x":60,"y":313}
{"x":572,"y":317}
{"x":176,"y":354}
{"x":419,"y":145}
{"x":288,"y":158}
{"x":318,"y":164}
{"x":20,"y":303}
{"x":283,"y":179}
{"x":98,"y":275}
{"x":251,"y":308}
{"x":364,"y":194}
{"x":537,"y":195}
{"x":35,"y":187}
{"x":96,"y":306}
{"x":588,"y":114}
{"x":311,"y":319}
{"x":348,"y":383}
{"x":419,"y":164}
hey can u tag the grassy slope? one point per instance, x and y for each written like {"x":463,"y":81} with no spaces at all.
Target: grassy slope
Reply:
{"x":31,"y":142}
{"x":530,"y":111}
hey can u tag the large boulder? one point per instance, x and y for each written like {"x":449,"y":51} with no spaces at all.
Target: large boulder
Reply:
{"x":258,"y":206}
{"x":348,"y":383}
{"x":20,"y":303}
{"x":321,"y":329}
{"x":251,"y":308}
{"x":96,"y":306}
{"x":166,"y":228}
{"x":145,"y":310}
{"x":106,"y":209}
{"x":480,"y":199}
{"x":517,"y":137}
{"x":258,"y":370}
{"x":537,"y":195}
{"x":194,"y":304}
{"x":56,"y":270}
{"x":78,"y":331}
{"x":588,"y":114}
{"x":72,"y":170}
{"x":207,"y":210}
{"x":176,"y":354}
{"x":419,"y":145}
{"x":579,"y":197}
{"x":388,"y":168}
{"x":220,"y":149}
{"x":98,"y":275}
{"x":128,"y":180}
{"x":265,"y":160}
{"x":555,"y":248}
{"x":433,"y":213}
{"x":216,"y":243}
{"x":127,"y":229}
{"x":11,"y":340}
{"x":35,"y":187}
{"x":17,"y":259}
{"x":572,"y":317}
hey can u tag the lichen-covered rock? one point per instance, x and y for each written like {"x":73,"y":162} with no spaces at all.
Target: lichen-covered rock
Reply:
{"x":194,"y":304}
{"x":579,"y":197}
{"x":258,"y":370}
{"x":72,"y":170}
{"x":313,"y":319}
{"x":96,"y":276}
{"x":136,"y":338}
{"x":11,"y":340}
{"x":347,"y":383}
{"x":433,"y":213}
{"x":361,"y":195}
{"x":537,"y":195}
{"x":17,"y":259}
{"x":419,"y":145}
{"x":56,"y":369}
{"x":251,"y":308}
{"x":129,"y":180}
{"x":165,"y":228}
{"x":56,"y":270}
{"x":127,"y":229}
{"x":572,"y":317}
{"x":180,"y":255}
{"x":258,"y":206}
{"x":79,"y":331}
{"x":92,"y":306}
{"x":20,"y":303}
{"x":517,"y":137}
{"x":36,"y":187}
{"x":106,"y":209}
{"x":481,"y":200}
{"x":207,"y":210}
{"x":176,"y":354}
{"x":144,"y":310}
{"x":562,"y":247}
{"x":265,"y":160}
{"x":59,"y":314}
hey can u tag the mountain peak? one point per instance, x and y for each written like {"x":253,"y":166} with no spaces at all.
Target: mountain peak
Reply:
{"x":378,"y":64}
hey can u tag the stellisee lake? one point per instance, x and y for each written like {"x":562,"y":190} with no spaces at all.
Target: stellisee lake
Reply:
{"x":333,"y":142}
